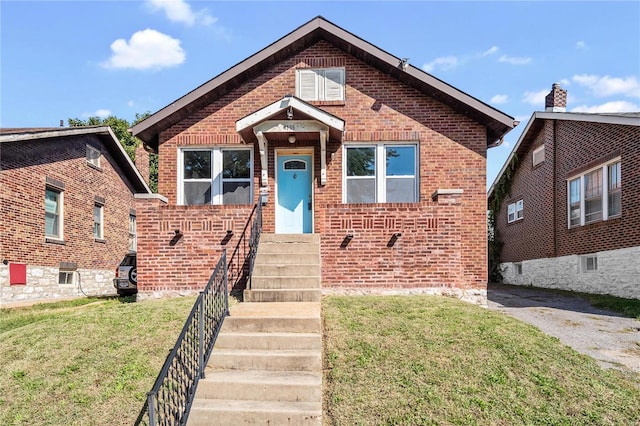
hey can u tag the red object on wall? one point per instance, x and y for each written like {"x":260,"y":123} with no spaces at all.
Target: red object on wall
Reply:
{"x":17,"y":273}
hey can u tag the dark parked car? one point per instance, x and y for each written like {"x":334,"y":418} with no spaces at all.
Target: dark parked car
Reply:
{"x":126,"y":280}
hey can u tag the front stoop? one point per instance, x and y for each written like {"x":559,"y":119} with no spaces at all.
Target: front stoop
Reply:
{"x":286,"y":269}
{"x":266,"y":367}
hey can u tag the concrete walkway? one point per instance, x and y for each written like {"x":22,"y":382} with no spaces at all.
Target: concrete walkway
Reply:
{"x":612,"y":339}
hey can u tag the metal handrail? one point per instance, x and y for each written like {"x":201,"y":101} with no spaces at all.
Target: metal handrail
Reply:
{"x":170,"y":399}
{"x":242,"y":259}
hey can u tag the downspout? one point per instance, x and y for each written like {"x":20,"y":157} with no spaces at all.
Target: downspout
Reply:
{"x":555,"y":189}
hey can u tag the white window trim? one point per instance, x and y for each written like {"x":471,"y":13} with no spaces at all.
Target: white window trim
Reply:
{"x":533,"y":156}
{"x":101,"y":229}
{"x":518,"y":211}
{"x":320,"y":83}
{"x":133,"y":234}
{"x":216,"y":164}
{"x":605,"y":193}
{"x":380,"y":171}
{"x":60,"y":236}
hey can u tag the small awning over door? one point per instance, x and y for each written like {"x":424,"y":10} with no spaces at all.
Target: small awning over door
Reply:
{"x":290,"y":115}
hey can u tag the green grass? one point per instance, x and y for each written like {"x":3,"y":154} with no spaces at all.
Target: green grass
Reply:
{"x":389,"y":360}
{"x":428,"y":360}
{"x":87,"y":361}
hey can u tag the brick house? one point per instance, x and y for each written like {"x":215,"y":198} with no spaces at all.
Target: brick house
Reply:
{"x":338,"y":138}
{"x":572,"y":218}
{"x":67,"y":211}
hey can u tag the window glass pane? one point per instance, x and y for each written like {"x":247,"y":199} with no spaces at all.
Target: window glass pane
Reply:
{"x":97,"y":221}
{"x":615,"y":203}
{"x":51,"y":201}
{"x":197,"y":193}
{"x":401,"y":161}
{"x":593,"y":184}
{"x":236,"y":193}
{"x":361,"y":190}
{"x":236,"y":164}
{"x":574,"y":191}
{"x":295,"y":165}
{"x":401,"y":190}
{"x":197,"y":164}
{"x":614,"y":176}
{"x":51,"y":225}
{"x":361,"y":161}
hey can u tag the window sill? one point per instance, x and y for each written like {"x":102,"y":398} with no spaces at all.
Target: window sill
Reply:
{"x":93,"y":166}
{"x":513,"y":222}
{"x":54,"y":241}
{"x":327,"y":103}
{"x":100,"y":240}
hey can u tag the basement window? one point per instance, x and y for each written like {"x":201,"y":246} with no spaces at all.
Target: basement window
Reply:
{"x":588,"y":263}
{"x":517,"y":268}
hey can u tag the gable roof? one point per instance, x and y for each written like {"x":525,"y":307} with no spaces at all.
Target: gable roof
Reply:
{"x":496,"y":122}
{"x":537,"y":119}
{"x":105,"y":133}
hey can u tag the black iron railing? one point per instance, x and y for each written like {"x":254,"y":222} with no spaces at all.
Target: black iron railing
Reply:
{"x":170,"y":399}
{"x":241,"y":262}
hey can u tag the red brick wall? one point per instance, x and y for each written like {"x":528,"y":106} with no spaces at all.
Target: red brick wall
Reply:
{"x":452,"y":148}
{"x":25,"y":167}
{"x":168,"y":263}
{"x":580,"y":146}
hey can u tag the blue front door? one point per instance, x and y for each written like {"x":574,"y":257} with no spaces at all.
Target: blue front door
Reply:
{"x":294,"y":207}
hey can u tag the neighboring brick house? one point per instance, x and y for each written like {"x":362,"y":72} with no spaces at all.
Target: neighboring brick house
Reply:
{"x":67,"y":211}
{"x":380,"y":148}
{"x":572,"y":218}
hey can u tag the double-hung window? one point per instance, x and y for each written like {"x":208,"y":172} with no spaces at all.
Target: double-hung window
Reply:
{"x":53,"y":213}
{"x":380,"y":174}
{"x":595,"y":195}
{"x":98,"y":221}
{"x":133,"y":236}
{"x":320,"y":84}
{"x":93,"y":156}
{"x":216,"y":176}
{"x":515,"y":211}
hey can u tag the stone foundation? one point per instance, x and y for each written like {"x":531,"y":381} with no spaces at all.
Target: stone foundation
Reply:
{"x":42,"y":285}
{"x":617,"y":274}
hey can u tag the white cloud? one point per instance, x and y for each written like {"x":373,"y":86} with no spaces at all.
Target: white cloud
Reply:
{"x":180,"y":11}
{"x":515,"y":60}
{"x":490,"y":51}
{"x":565,"y":82}
{"x":147,"y":49}
{"x":603,"y":86}
{"x":581,"y":44}
{"x":444,"y":63}
{"x":499,"y":99}
{"x":102,"y":113}
{"x":130,"y":103}
{"x":535,"y":98}
{"x":613,"y":106}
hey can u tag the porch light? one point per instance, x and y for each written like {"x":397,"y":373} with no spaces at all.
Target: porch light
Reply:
{"x":292,"y":139}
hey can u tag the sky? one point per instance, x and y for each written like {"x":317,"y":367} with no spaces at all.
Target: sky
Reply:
{"x":61,"y":60}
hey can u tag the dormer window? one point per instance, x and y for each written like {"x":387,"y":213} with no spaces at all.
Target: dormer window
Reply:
{"x":320,"y":84}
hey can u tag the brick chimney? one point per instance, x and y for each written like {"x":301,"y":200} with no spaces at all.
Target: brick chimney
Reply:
{"x":556,"y":100}
{"x":142,"y":162}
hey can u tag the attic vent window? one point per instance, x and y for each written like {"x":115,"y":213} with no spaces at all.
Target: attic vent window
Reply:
{"x":320,"y":84}
{"x":538,"y":156}
{"x":93,"y":156}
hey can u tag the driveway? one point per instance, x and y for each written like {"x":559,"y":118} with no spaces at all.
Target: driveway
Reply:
{"x":613,"y":340}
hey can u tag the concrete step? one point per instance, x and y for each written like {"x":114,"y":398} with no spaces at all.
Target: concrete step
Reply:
{"x":287,"y":258}
{"x":280,"y":295}
{"x":229,"y":412}
{"x":269,"y":360}
{"x":288,"y":248}
{"x":286,"y":269}
{"x":261,"y":385}
{"x":290,"y":238}
{"x":263,"y":282}
{"x":269,"y":341}
{"x":271,"y":325}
